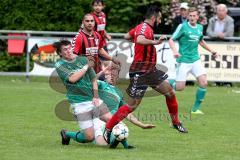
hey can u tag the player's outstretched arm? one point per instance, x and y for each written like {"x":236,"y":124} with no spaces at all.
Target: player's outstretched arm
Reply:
{"x":138,"y":123}
{"x":96,"y":99}
{"x":173,"y":47}
{"x":104,"y":54}
{"x":127,"y":36}
{"x":144,"y":41}
{"x":205,"y":46}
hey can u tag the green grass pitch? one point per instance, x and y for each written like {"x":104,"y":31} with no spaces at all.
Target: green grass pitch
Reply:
{"x":29,"y":129}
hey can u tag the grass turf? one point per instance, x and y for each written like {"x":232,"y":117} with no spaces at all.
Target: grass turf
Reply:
{"x":30,"y":129}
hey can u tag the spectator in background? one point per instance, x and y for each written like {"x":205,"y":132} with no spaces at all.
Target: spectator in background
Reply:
{"x":182,"y":17}
{"x":100,"y":21}
{"x":221,"y":25}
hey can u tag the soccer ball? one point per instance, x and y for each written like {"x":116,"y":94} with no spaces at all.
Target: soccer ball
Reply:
{"x":120,"y":131}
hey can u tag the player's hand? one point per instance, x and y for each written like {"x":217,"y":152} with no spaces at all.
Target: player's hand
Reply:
{"x":108,"y":37}
{"x":214,"y":54}
{"x":161,"y":39}
{"x":91,"y":61}
{"x":96,"y":101}
{"x":105,"y":70}
{"x":176,"y":54}
{"x":116,"y":61}
{"x":221,"y":35}
{"x":148,"y":126}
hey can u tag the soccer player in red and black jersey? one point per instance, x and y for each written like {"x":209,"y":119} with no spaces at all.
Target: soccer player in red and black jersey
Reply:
{"x":89,"y":43}
{"x":143,"y":73}
{"x":100,"y":21}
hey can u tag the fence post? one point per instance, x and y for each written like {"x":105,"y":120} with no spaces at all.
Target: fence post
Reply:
{"x":27,"y":60}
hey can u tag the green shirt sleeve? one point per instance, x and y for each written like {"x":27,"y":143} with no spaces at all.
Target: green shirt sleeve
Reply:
{"x":62,"y":70}
{"x":91,"y":73}
{"x":178,"y":32}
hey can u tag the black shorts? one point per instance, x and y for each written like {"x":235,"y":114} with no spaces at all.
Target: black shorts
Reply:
{"x":140,"y":81}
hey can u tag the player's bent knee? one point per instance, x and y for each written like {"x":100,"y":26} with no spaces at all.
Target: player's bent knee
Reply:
{"x":170,"y":93}
{"x":180,"y":88}
{"x":203,"y":84}
{"x":89,"y":137}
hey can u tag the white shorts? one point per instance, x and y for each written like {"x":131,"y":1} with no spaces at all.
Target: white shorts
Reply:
{"x":99,"y":126}
{"x":83,"y":112}
{"x":195,"y":68}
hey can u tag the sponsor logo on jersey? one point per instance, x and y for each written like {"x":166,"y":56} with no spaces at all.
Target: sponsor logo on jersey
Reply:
{"x":91,"y":50}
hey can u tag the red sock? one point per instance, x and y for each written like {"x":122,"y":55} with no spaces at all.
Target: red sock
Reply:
{"x":173,"y":109}
{"x":121,"y":113}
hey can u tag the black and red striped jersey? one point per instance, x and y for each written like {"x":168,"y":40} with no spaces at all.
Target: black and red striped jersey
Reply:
{"x":144,"y":55}
{"x":88,"y":45}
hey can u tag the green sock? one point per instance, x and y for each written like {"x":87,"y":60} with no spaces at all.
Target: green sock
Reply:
{"x":172,"y":82}
{"x":77,"y":136}
{"x":200,"y":94}
{"x":125,"y":143}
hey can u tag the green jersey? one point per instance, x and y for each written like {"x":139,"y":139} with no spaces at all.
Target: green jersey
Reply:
{"x":188,"y":38}
{"x":82,"y":90}
{"x":110,"y":95}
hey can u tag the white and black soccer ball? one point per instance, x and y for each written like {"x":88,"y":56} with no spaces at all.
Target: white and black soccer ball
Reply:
{"x":120,"y":131}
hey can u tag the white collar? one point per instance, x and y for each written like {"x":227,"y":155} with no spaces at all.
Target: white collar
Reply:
{"x":192,"y":25}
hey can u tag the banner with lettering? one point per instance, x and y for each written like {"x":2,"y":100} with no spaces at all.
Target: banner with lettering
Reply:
{"x":224,"y":68}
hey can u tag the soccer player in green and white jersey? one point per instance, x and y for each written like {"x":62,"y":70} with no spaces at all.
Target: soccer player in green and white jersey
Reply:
{"x":80,"y":81}
{"x":189,"y":34}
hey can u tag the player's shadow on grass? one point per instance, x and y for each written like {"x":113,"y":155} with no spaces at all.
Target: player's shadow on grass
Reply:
{"x":56,"y":83}
{"x":63,"y":111}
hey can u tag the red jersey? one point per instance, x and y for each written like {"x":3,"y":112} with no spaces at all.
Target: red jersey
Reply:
{"x":88,"y":45}
{"x":100,"y":24}
{"x":144,"y":55}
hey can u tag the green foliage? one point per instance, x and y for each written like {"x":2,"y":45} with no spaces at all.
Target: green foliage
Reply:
{"x":50,"y":15}
{"x":13,"y":63}
{"x":62,"y":15}
{"x":124,"y":14}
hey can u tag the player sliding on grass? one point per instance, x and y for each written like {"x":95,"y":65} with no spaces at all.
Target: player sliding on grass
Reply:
{"x":79,"y":80}
{"x":189,"y":35}
{"x":143,"y":73}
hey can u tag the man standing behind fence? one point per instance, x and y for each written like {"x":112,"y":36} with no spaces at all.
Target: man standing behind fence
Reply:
{"x":221,"y":25}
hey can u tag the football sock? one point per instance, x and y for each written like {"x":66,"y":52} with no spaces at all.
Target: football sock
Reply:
{"x":200,"y":94}
{"x":77,"y":136}
{"x":121,"y":113}
{"x":125,"y":143}
{"x":173,"y":109}
{"x":172,"y":82}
